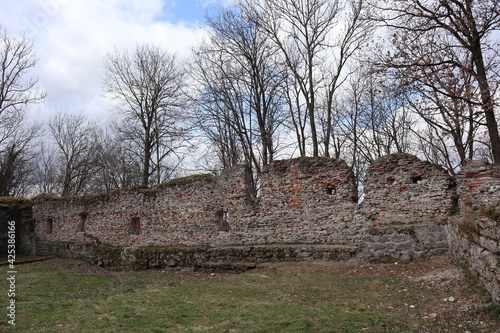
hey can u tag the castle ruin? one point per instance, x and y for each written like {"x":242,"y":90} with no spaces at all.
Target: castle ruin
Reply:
{"x":307,"y":209}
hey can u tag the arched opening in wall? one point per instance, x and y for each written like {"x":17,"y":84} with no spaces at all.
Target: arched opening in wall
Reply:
{"x":222,"y":220}
{"x":135,"y":226}
{"x":49,"y":224}
{"x":82,"y":222}
{"x":416,"y":180}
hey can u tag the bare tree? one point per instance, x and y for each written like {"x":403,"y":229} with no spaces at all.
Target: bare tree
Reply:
{"x":46,"y":179}
{"x":316,"y":38}
{"x":147,"y":86}
{"x":17,"y":92}
{"x":17,"y":58}
{"x":297,"y":112}
{"x":17,"y":156}
{"x":223,"y":113}
{"x":452,"y":123}
{"x":117,"y":165}
{"x":77,"y":151}
{"x":300,"y":30}
{"x":350,"y":125}
{"x":435,"y":38}
{"x":371,"y":119}
{"x":387,"y":119}
{"x":355,"y":32}
{"x":241,"y":99}
{"x":215,"y":122}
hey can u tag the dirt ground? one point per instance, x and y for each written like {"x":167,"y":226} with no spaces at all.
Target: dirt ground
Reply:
{"x":438,"y":274}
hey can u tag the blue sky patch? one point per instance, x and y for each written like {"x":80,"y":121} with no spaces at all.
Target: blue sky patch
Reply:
{"x":189,"y":11}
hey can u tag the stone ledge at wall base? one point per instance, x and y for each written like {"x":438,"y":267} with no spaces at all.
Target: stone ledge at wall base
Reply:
{"x":195,"y":258}
{"x":403,"y":242}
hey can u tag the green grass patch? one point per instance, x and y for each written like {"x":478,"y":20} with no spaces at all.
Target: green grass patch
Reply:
{"x":493,"y":311}
{"x":67,"y":296}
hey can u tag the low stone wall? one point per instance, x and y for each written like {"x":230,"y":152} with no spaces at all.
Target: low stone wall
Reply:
{"x":193,"y":257}
{"x":475,"y":243}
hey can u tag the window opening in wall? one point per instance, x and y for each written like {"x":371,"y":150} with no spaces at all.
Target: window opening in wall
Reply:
{"x":135,"y":226}
{"x":331,"y":190}
{"x":223,"y":220}
{"x":416,"y":179}
{"x":49,"y":223}
{"x":82,"y":222}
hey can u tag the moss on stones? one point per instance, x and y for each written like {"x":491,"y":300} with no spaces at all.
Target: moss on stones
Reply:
{"x":208,"y":178}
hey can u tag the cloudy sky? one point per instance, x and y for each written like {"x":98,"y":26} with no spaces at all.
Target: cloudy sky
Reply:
{"x":73,"y":37}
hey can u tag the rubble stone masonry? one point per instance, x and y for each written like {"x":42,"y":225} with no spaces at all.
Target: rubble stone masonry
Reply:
{"x":302,"y":200}
{"x":474,"y":234}
{"x":406,"y":207}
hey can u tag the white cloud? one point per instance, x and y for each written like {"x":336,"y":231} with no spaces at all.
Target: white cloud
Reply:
{"x":72,"y":38}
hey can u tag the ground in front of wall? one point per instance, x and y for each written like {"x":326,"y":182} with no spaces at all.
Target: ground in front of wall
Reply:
{"x":433,"y":295}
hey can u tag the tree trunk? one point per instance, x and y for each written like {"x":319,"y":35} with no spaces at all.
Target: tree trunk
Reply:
{"x":147,"y":162}
{"x":311,"y":107}
{"x":488,"y":106}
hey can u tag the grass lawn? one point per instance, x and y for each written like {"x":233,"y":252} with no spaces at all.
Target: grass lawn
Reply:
{"x":59,"y":295}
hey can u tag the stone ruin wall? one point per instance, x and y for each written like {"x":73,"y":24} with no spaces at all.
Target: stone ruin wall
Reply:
{"x":401,"y":189}
{"x":407,"y":205}
{"x":307,"y":201}
{"x":411,"y":208}
{"x":474,"y":234}
{"x":302,"y":201}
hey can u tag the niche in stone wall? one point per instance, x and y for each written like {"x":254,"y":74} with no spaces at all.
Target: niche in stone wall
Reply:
{"x":416,"y":180}
{"x":222,"y":220}
{"x":135,"y":226}
{"x":330,"y":190}
{"x":82,"y":221}
{"x":49,"y":224}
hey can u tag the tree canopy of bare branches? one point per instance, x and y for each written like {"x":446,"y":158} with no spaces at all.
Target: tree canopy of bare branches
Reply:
{"x":17,"y":91}
{"x":316,"y":39}
{"x":445,"y":48}
{"x":77,"y":152}
{"x":147,"y":87}
{"x":17,"y":58}
{"x":241,"y":100}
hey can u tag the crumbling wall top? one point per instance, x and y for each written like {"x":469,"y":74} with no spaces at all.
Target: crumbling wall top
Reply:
{"x":479,"y":184}
{"x":402,"y":189}
{"x":308,"y":180}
